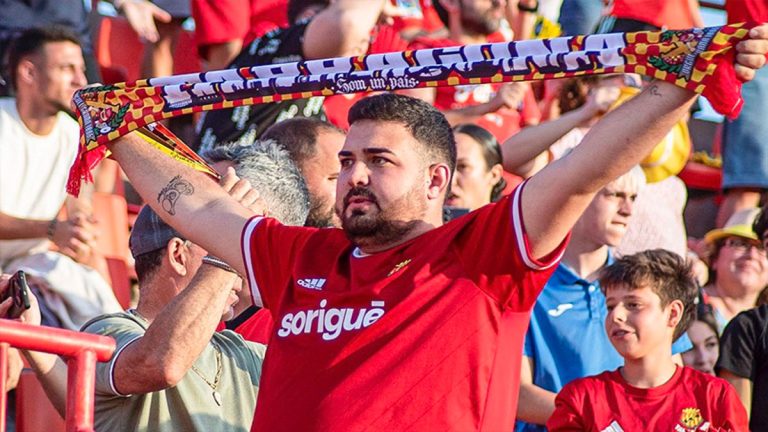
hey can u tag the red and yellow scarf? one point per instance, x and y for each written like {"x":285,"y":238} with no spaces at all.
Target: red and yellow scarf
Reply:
{"x":700,"y":60}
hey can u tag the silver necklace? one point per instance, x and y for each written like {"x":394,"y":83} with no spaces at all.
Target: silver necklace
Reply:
{"x":215,"y":384}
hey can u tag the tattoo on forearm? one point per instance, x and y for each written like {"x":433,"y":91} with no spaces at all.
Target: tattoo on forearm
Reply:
{"x":654,"y":90}
{"x":171,"y":193}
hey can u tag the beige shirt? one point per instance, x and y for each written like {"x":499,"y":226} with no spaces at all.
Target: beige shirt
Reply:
{"x":190,"y":405}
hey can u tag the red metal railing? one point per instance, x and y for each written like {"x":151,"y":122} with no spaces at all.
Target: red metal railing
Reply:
{"x":81,"y":350}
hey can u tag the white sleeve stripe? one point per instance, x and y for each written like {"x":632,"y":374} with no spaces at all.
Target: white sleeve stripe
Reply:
{"x":248,"y":260}
{"x":517,"y":222}
{"x":112,"y":367}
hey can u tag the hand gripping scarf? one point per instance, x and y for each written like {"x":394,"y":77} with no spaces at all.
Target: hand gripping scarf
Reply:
{"x":700,"y":60}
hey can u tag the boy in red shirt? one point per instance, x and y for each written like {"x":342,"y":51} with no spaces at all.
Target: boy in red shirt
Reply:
{"x":650,"y":299}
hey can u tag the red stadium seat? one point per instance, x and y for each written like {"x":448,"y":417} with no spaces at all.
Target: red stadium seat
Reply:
{"x":121,"y":281}
{"x":119,"y":51}
{"x":34,"y":412}
{"x":111,"y":212}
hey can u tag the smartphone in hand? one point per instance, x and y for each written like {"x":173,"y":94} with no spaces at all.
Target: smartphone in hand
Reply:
{"x":19,"y":290}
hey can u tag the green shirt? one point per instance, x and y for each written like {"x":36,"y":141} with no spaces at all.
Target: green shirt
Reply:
{"x":190,"y":405}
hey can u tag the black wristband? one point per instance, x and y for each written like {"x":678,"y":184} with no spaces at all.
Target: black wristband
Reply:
{"x":216,"y":262}
{"x":531,"y":9}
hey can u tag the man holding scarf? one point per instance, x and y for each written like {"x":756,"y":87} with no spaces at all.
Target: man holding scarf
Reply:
{"x":432,"y":315}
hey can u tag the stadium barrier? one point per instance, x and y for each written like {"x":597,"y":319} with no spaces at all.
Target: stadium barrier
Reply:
{"x":81,"y":351}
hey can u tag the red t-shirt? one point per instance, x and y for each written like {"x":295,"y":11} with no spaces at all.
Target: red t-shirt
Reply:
{"x":746,"y":10}
{"x":690,"y":401}
{"x":266,"y":15}
{"x":419,"y":14}
{"x":503,"y":123}
{"x":257,"y":328}
{"x":672,"y":14}
{"x":424,"y":336}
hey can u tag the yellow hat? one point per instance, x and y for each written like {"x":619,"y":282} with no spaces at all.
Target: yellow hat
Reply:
{"x":669,"y":156}
{"x":739,"y":224}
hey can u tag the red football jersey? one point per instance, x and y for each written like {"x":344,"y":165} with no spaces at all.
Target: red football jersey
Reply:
{"x":690,"y":401}
{"x":424,"y":336}
{"x":502,"y":123}
{"x":746,"y":10}
{"x":670,"y":14}
{"x":257,"y":328}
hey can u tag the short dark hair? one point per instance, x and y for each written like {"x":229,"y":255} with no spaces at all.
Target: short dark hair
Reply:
{"x":427,"y":125}
{"x":760,"y":225}
{"x":30,"y":42}
{"x":297,"y":7}
{"x":298,"y":135}
{"x":147,"y":264}
{"x":706,"y":314}
{"x":664,"y":272}
{"x":491,"y":152}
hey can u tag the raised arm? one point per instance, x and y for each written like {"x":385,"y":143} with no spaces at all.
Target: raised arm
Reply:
{"x":189,"y":201}
{"x":343,"y":29}
{"x":556,"y":197}
{"x":522,"y":150}
{"x":176,"y":337}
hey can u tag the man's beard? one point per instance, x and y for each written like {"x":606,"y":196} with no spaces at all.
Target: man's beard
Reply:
{"x":320,"y":214}
{"x":378,"y":227}
{"x":476,"y":23}
{"x":58,"y":105}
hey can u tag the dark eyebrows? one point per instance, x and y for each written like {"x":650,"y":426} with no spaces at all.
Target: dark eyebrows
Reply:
{"x":378,"y":150}
{"x":369,"y":151}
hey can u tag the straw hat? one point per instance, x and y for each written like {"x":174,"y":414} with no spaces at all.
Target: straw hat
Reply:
{"x":669,"y":156}
{"x":739,"y":224}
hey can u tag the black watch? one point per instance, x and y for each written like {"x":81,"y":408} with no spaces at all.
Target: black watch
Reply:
{"x":531,"y":9}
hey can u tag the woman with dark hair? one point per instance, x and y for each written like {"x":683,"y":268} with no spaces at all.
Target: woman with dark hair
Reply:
{"x":705,"y":339}
{"x":478,"y":178}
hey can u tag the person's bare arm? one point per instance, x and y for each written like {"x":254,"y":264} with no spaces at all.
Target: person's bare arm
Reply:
{"x":521,"y":150}
{"x":51,"y":371}
{"x":69,"y":236}
{"x":521,"y":21}
{"x":535,"y":405}
{"x":186,"y":199}
{"x":696,"y":18}
{"x":509,"y":96}
{"x":342,"y":29}
{"x":13,"y":228}
{"x":176,"y":337}
{"x":556,"y":197}
{"x":742,"y":385}
{"x":141,"y":15}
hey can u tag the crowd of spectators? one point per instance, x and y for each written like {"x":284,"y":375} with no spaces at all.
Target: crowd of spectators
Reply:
{"x":593,"y":259}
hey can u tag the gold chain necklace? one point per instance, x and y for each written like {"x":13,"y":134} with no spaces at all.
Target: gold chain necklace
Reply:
{"x":215,"y":384}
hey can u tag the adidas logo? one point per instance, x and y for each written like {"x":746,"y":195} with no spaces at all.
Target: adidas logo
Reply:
{"x":309,"y":283}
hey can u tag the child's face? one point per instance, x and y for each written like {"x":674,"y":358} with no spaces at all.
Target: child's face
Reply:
{"x":636,"y":324}
{"x":703,"y":355}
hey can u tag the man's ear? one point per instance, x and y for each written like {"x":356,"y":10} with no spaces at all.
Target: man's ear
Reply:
{"x":176,"y":253}
{"x":438,"y":181}
{"x":676,"y":310}
{"x":26,"y":72}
